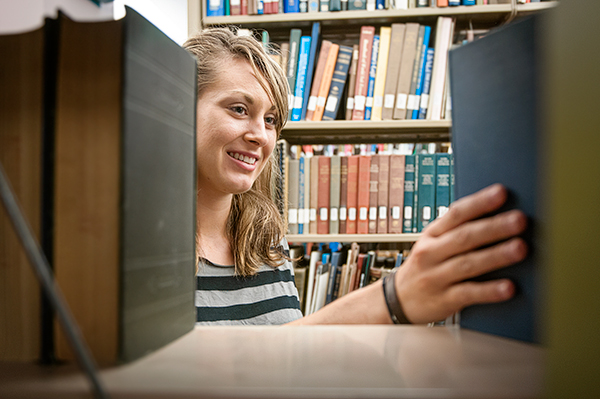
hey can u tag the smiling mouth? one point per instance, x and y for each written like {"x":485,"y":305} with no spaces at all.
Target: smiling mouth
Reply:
{"x":243,"y":158}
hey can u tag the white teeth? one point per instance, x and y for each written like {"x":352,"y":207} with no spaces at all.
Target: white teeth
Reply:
{"x":246,"y":159}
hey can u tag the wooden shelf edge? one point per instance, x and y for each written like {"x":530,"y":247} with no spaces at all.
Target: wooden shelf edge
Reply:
{"x":361,"y":238}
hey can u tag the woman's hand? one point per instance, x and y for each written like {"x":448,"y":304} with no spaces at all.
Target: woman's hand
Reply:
{"x":431,"y":283}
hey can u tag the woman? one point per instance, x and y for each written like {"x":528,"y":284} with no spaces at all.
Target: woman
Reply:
{"x":242,"y":107}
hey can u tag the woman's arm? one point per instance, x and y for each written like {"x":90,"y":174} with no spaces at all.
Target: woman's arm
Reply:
{"x":431,"y":282}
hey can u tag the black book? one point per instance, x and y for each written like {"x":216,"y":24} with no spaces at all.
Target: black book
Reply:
{"x":496,"y":138}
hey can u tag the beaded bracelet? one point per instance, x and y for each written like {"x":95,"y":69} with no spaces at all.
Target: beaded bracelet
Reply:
{"x":392,"y":301}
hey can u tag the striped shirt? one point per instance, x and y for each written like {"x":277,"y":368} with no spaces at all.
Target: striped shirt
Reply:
{"x":222,"y":298}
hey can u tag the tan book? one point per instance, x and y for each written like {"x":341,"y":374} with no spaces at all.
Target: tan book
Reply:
{"x":334,"y":194}
{"x":21,"y":126}
{"x":285,"y":53}
{"x":409,"y":51}
{"x":373,"y":193}
{"x":326,"y":82}
{"x":382,"y":64}
{"x":393,"y":69}
{"x":352,"y":82}
{"x":383,"y":193}
{"x":362,"y":72}
{"x":293,"y":185}
{"x":305,"y":220}
{"x":318,"y":76}
{"x":314,"y":190}
{"x":352,"y":194}
{"x":343,"y":214}
{"x":364,"y":178}
{"x":443,"y":36}
{"x":323,"y":195}
{"x":396,"y":194}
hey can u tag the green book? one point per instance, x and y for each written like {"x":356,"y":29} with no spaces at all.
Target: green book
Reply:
{"x":409,"y":191}
{"x":426,"y":190}
{"x":442,"y":184}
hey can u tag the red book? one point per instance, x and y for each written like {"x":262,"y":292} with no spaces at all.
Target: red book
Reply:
{"x":362,"y":72}
{"x":373,"y":193}
{"x":352,"y":197}
{"x":343,"y":193}
{"x":396,"y":194}
{"x":323,"y":195}
{"x":364,"y":177}
{"x":383,"y":193}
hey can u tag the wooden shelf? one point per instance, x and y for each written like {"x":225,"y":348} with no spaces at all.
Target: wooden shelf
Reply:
{"x":362,"y":238}
{"x":367,"y":132}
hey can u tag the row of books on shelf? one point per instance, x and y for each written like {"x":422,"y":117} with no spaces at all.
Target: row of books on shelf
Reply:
{"x":217,"y":8}
{"x":323,"y":273}
{"x":377,"y":192}
{"x":394,"y":72}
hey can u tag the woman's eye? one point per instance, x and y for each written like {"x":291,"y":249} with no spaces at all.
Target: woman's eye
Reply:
{"x":238,"y":110}
{"x":271,"y":120}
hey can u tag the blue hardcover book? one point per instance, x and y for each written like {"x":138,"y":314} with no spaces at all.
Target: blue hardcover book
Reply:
{"x":315,"y":33}
{"x":426,"y":83}
{"x":357,"y":4}
{"x":468,"y":2}
{"x":452,"y":190}
{"x":453,"y":3}
{"x":215,"y":8}
{"x":421,"y":77}
{"x":292,"y":65}
{"x":301,"y":77}
{"x":260,"y":7}
{"x":291,"y":6}
{"x":333,"y":270}
{"x":380,"y":4}
{"x":499,"y":141}
{"x":426,"y":188}
{"x":338,"y":82}
{"x":335,"y":5}
{"x":372,"y":72}
{"x":442,"y":184}
{"x":415,"y":214}
{"x":409,"y":191}
{"x":301,"y":185}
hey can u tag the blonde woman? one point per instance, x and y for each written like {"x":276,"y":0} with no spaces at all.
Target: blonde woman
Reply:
{"x":244,"y":275}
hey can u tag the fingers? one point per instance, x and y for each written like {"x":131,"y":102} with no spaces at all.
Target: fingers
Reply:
{"x":480,"y":262}
{"x":478,"y":233}
{"x":468,"y":208}
{"x":469,"y":293}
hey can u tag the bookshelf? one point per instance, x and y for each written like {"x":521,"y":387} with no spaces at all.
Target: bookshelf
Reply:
{"x":363,"y":238}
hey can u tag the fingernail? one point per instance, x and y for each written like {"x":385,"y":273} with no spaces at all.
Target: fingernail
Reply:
{"x":505,"y":289}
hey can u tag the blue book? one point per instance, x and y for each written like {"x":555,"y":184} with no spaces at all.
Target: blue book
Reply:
{"x":371,"y":84}
{"x":453,"y":3}
{"x":335,"y":5}
{"x":468,"y":2}
{"x":301,"y":77}
{"x":421,"y":77}
{"x":260,"y":7}
{"x":452,"y":191}
{"x":316,"y":32}
{"x":409,"y":191}
{"x":442,"y":183}
{"x":338,"y":82}
{"x":215,"y":8}
{"x":380,"y":4}
{"x":291,"y":6}
{"x":301,"y":184}
{"x":333,"y":270}
{"x":426,"y":83}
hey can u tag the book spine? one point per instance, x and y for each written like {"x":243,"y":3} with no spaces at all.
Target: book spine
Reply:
{"x":292,"y":65}
{"x":294,"y":180}
{"x":382,"y":61}
{"x":301,"y":184}
{"x":352,"y":82}
{"x":413,"y":100}
{"x":383,"y":193}
{"x":307,"y":192}
{"x":338,"y":81}
{"x":364,"y":177}
{"x":362,"y":73}
{"x":318,"y":76}
{"x":343,"y":193}
{"x":235,"y":7}
{"x":426,"y":189}
{"x":292,"y":6}
{"x":315,"y":35}
{"x":426,"y":84}
{"x":334,"y":194}
{"x":313,"y":5}
{"x":409,"y":189}
{"x":323,"y":200}
{"x":438,"y":73}
{"x":391,"y":81}
{"x":357,"y":4}
{"x":335,"y":5}
{"x":352,"y":198}
{"x":314,"y":190}
{"x":415,"y":207}
{"x":326,"y":82}
{"x":303,"y":6}
{"x":373,"y":193}
{"x":406,"y":66}
{"x":215,"y":8}
{"x":421,"y":77}
{"x":372,"y":74}
{"x":396,"y":193}
{"x":301,"y":77}
{"x":442,"y":186}
{"x":452,"y":189}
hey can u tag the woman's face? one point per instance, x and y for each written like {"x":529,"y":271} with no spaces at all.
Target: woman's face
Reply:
{"x":236,"y":130}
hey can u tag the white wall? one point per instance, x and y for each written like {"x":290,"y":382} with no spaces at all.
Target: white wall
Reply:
{"x":170,"y":16}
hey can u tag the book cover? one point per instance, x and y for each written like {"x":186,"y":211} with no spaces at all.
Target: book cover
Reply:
{"x":357,"y":4}
{"x":323,"y":199}
{"x":326,"y":81}
{"x":315,"y":41}
{"x":381,"y":71}
{"x":364,"y":177}
{"x":335,"y":5}
{"x":352,"y":82}
{"x":318,"y":76}
{"x":509,"y":153}
{"x":132,"y":270}
{"x":421,"y":75}
{"x":235,"y":7}
{"x":383,"y":193}
{"x":424,"y":102}
{"x":442,"y":184}
{"x":343,"y":214}
{"x":373,"y":193}
{"x":215,"y":8}
{"x":427,"y":179}
{"x":372,"y":73}
{"x":291,"y":6}
{"x":334,"y":194}
{"x":362,"y":72}
{"x":352,"y":197}
{"x":292,"y":65}
{"x":393,"y":69}
{"x":314,"y":192}
{"x":412,"y":103}
{"x":338,"y":82}
{"x":409,"y":50}
{"x":396,"y":193}
{"x":409,"y":191}
{"x":301,"y":77}
{"x":443,"y":36}
{"x":293,"y":185}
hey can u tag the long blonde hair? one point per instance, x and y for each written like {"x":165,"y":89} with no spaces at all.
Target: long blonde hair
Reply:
{"x":255,"y":226}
